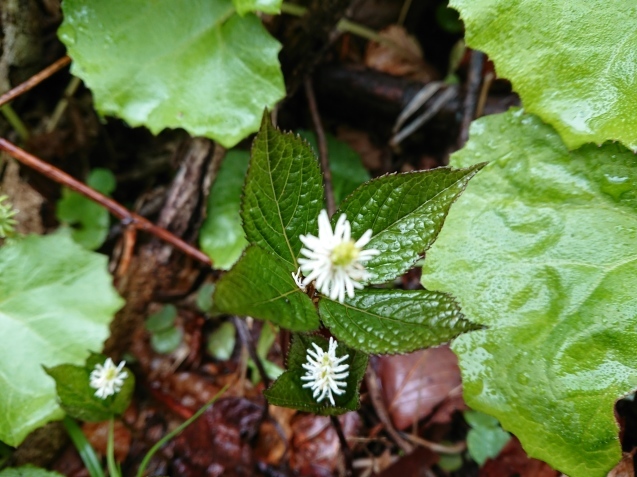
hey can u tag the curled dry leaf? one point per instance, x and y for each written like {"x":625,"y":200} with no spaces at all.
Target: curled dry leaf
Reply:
{"x":97,"y":435}
{"x":399,"y":55}
{"x":315,"y":450}
{"x":415,"y":384}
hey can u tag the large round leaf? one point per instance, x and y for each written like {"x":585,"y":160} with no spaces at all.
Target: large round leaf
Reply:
{"x":540,"y":249}
{"x":574,"y":62}
{"x":56,"y":302}
{"x":192,"y":64}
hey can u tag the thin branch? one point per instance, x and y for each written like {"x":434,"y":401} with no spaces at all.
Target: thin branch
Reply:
{"x":34,"y":80}
{"x":473,"y":90}
{"x":127,"y":217}
{"x":347,"y":453}
{"x":246,"y":339}
{"x":322,"y":146}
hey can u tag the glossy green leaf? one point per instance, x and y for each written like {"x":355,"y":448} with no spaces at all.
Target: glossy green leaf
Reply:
{"x":283,"y":194}
{"x":265,"y":6}
{"x":87,"y":220}
{"x":394,"y":321}
{"x":195,"y":65}
{"x":572,"y":62}
{"x":541,"y":250}
{"x":405,"y":213}
{"x":56,"y":302}
{"x":77,"y":397}
{"x":28,"y":471}
{"x":288,"y":390}
{"x":260,"y":286}
{"x":346,"y":167}
{"x":221,"y":236}
{"x":486,"y":438}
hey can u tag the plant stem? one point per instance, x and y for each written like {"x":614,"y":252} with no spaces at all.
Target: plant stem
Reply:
{"x":177,"y":430}
{"x":347,"y":453}
{"x":84,"y":448}
{"x":15,"y":121}
{"x":63,"y":103}
{"x":113,"y":469}
{"x":322,"y":146}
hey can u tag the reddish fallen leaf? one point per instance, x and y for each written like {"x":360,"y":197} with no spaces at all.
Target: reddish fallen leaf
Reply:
{"x":513,"y":461}
{"x":360,"y":141}
{"x":315,"y":450}
{"x":217,"y":443}
{"x":97,"y":435}
{"x":415,"y":384}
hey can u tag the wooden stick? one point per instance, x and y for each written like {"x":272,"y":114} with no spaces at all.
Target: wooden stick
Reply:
{"x":35,"y":80}
{"x":127,"y":217}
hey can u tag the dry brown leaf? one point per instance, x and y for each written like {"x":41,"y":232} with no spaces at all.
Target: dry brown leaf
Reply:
{"x":315,"y":450}
{"x":359,"y":141}
{"x":414,"y":384}
{"x":97,"y":435}
{"x":400,"y":55}
{"x":625,"y":468}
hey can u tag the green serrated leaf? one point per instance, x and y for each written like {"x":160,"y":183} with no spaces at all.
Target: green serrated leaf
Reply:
{"x":283,"y":194}
{"x":28,"y":471}
{"x":405,"y":213}
{"x":288,"y":390}
{"x":195,"y":65}
{"x":345,"y":165}
{"x":162,"y":320}
{"x":572,"y":62}
{"x":541,"y":250}
{"x":88,"y":221}
{"x":221,"y":236}
{"x":394,"y":321}
{"x":260,"y":286}
{"x":486,"y":438}
{"x":77,"y":397}
{"x":265,"y":6}
{"x":56,"y":302}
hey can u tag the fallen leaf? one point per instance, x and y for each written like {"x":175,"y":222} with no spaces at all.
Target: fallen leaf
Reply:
{"x":97,"y":435}
{"x":513,"y":461}
{"x":415,"y":384}
{"x":399,"y":55}
{"x":315,"y":450}
{"x":217,"y":442}
{"x":416,"y":464}
{"x":625,"y":468}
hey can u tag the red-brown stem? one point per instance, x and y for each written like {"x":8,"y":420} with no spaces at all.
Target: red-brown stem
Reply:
{"x":34,"y":80}
{"x":118,"y":210}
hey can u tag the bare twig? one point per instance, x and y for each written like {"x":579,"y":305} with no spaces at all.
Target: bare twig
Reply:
{"x":347,"y":453}
{"x":434,"y":446}
{"x":34,"y":80}
{"x":484,"y":93}
{"x":379,"y":406}
{"x":118,"y":210}
{"x":473,"y":90}
{"x":322,"y":146}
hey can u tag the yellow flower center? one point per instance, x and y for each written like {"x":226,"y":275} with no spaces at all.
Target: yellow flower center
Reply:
{"x":110,"y":374}
{"x":344,"y":254}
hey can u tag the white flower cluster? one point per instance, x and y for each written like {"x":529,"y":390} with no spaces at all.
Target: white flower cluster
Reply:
{"x":325,"y":372}
{"x":334,"y":259}
{"x":108,"y":379}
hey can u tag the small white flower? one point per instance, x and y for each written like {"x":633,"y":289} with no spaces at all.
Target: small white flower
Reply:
{"x":108,"y":379}
{"x":334,"y":260}
{"x":298,"y":279}
{"x":324,"y":372}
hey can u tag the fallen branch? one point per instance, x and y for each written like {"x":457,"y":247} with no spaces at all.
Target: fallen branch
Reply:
{"x":127,"y":217}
